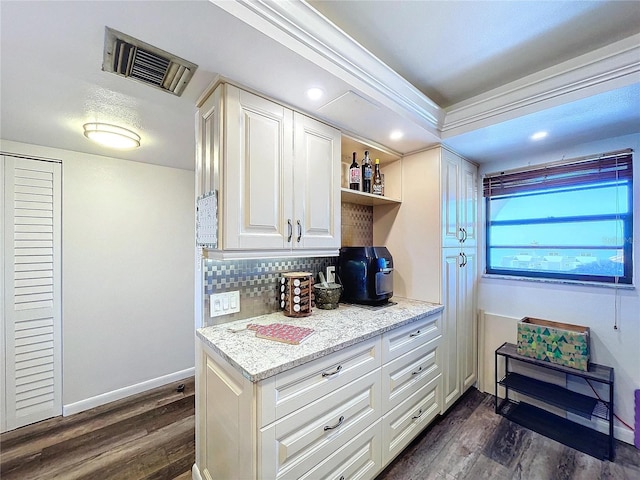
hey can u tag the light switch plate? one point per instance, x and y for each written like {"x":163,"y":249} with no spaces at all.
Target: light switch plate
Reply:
{"x":224,"y":303}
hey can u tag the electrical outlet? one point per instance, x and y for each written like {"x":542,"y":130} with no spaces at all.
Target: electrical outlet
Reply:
{"x":331,"y":274}
{"x":224,"y":303}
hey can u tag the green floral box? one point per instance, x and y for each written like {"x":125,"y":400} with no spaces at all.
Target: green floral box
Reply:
{"x":560,"y":343}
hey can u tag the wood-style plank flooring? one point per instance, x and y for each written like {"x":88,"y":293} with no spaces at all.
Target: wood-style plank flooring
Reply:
{"x":146,"y":436}
{"x":151,"y":436}
{"x":472,"y":442}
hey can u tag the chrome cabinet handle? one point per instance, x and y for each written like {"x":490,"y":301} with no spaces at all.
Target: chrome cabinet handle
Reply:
{"x":463,"y":260}
{"x":341,"y":477}
{"x":464,"y":256}
{"x":290,"y":230}
{"x":340,"y":420}
{"x":415,"y":334}
{"x":328,"y":374}
{"x":299,"y":230}
{"x":420,"y":412}
{"x":417,"y":372}
{"x":463,"y":231}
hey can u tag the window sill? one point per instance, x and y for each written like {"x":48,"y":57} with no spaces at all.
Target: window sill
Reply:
{"x":555,"y":281}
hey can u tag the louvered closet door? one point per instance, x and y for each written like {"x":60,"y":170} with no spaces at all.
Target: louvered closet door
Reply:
{"x":32,"y":296}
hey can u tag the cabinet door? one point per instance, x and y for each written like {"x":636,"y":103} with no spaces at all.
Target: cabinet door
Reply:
{"x":450,"y":172}
{"x":468,"y":203}
{"x":258,"y":163}
{"x":316,"y":184}
{"x":450,"y":366}
{"x":209,"y":133}
{"x":467,"y":323}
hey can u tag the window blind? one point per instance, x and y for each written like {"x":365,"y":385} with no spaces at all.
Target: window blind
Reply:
{"x":605,"y":167}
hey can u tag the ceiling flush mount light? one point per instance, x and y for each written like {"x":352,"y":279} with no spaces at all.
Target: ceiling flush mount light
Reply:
{"x":315,"y":93}
{"x":396,"y":135}
{"x":111,"y":136}
{"x":539,"y":135}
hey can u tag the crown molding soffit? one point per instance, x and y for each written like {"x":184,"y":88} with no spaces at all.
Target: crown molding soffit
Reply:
{"x":299,"y":27}
{"x":614,"y":66}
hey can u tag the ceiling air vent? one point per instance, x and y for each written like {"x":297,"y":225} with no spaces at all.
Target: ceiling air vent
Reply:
{"x":129,"y":57}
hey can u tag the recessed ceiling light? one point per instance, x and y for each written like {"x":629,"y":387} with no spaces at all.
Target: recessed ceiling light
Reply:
{"x":111,"y":136}
{"x":539,"y":135}
{"x":396,"y":135}
{"x":315,"y":93}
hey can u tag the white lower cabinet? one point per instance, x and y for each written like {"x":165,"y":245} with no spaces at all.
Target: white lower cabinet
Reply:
{"x":298,"y":442}
{"x":343,"y":416}
{"x":359,"y":459}
{"x":404,"y":422}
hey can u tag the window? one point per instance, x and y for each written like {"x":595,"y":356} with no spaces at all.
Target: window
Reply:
{"x":570,"y":220}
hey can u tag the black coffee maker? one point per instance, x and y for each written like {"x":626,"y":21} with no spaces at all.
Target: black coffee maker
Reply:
{"x":366,"y":274}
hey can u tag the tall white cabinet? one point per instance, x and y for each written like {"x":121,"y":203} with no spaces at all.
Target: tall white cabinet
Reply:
{"x":276,"y":171}
{"x":432,"y":236}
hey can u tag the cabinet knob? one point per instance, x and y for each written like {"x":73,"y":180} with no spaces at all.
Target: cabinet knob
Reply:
{"x":329,"y":427}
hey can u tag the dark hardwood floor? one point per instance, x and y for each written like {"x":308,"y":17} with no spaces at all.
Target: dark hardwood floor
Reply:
{"x":146,"y":436}
{"x":151,"y":436}
{"x":472,"y":442}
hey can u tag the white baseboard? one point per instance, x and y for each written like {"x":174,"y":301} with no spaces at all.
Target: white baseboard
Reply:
{"x":619,"y":432}
{"x":195,"y":473}
{"x":121,"y":393}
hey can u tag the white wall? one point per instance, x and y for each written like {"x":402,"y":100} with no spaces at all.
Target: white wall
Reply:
{"x":595,"y":307}
{"x":128,"y":275}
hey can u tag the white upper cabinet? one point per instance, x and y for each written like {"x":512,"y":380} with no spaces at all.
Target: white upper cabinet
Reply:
{"x":459,"y":200}
{"x":316,"y":184}
{"x":277,"y":174}
{"x":258,"y":180}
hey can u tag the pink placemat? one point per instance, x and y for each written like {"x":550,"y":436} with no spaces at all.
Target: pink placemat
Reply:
{"x":280,"y":332}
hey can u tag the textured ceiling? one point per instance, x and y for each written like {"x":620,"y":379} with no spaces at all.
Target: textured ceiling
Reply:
{"x":452,"y":50}
{"x":52,"y":82}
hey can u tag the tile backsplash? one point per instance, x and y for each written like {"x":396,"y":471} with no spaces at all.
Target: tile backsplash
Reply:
{"x":256,"y":280}
{"x":357,"y":225}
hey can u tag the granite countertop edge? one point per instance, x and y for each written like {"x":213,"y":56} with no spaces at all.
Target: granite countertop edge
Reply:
{"x":256,"y":374}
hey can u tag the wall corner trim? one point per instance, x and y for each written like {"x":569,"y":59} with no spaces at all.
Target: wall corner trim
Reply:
{"x":124,"y":392}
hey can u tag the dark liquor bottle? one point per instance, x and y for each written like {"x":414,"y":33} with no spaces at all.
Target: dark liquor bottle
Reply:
{"x":377,"y":179}
{"x":367,"y":173}
{"x":354,"y":174}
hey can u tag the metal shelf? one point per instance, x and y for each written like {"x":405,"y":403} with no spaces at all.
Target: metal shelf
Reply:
{"x":555,"y":395}
{"x":560,"y":429}
{"x":572,"y":434}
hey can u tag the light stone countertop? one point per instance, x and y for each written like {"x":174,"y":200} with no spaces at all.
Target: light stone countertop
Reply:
{"x":258,"y":358}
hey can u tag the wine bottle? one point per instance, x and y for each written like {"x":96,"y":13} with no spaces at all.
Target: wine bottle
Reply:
{"x":367,"y":173}
{"x":354,"y":174}
{"x":377,"y":179}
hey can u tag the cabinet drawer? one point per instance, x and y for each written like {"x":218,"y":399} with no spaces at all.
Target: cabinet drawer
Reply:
{"x":288,"y":391}
{"x":401,"y":340}
{"x":405,"y":375}
{"x":360,"y":459}
{"x":404,"y":422}
{"x":296,"y":443}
